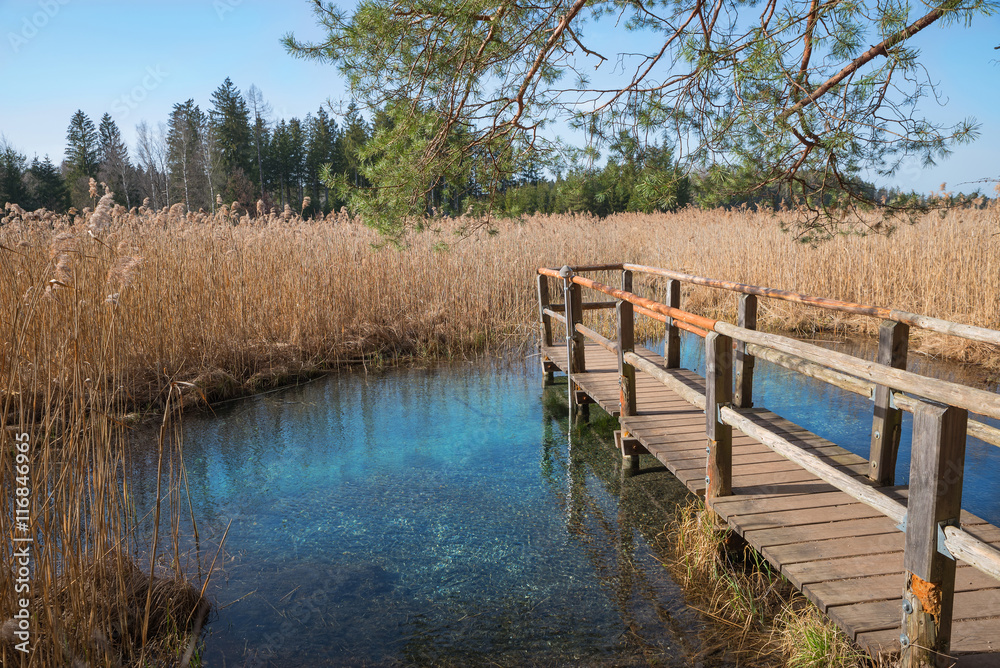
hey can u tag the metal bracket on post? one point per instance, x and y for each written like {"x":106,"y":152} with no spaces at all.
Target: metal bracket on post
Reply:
{"x":941,"y":547}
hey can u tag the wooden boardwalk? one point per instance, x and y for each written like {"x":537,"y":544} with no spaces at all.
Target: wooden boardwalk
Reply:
{"x":842,"y":554}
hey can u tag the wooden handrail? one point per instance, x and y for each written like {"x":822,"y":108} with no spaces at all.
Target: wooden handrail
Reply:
{"x":602,"y":341}
{"x":978,"y":401}
{"x":970,"y":332}
{"x":953,"y":394}
{"x":587,"y":306}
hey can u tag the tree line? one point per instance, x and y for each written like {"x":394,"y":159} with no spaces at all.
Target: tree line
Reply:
{"x":229,"y":152}
{"x":233,"y":153}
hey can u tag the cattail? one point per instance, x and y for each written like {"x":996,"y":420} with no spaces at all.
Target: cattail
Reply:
{"x":102,"y":214}
{"x":93,"y":188}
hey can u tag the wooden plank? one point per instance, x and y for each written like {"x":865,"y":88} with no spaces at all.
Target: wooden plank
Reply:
{"x":890,"y":585}
{"x":889,"y":540}
{"x":803,"y":517}
{"x":847,"y":568}
{"x":880,"y":615}
{"x":765,"y":538}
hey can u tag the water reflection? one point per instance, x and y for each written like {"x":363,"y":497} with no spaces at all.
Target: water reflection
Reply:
{"x":427,"y":517}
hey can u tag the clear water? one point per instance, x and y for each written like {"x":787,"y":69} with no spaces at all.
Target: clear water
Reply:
{"x":428,"y":517}
{"x":444,"y":517}
{"x":846,"y":418}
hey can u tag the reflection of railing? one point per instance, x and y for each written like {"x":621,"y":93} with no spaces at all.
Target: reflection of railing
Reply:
{"x":940,"y":408}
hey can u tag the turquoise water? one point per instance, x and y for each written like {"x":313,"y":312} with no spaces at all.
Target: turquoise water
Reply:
{"x":444,"y":517}
{"x":428,"y":517}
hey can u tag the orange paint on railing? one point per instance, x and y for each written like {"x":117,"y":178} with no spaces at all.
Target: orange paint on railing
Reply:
{"x":676,"y":314}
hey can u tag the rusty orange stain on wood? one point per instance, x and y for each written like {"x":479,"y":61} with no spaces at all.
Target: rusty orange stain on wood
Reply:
{"x":928,"y":593}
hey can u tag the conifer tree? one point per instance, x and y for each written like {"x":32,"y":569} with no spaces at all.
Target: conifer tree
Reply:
{"x":82,"y":158}
{"x":115,"y":168}
{"x":232,"y":134}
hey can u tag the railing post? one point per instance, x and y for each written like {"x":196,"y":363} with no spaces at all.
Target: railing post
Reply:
{"x":575,"y":361}
{"x":746,"y":318}
{"x":543,"y":303}
{"x":887,"y":421}
{"x":626,"y":372}
{"x":626,"y":344}
{"x":718,"y":393}
{"x":672,"y":346}
{"x":935,"y":500}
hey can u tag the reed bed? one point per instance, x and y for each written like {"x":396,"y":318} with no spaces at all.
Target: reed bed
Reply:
{"x":234,"y":304}
{"x":108,"y":314}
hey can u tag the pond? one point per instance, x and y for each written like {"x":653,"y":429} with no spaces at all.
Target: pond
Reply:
{"x":433,"y":516}
{"x":444,"y":516}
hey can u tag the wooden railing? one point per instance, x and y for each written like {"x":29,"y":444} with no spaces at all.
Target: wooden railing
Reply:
{"x":934,"y":537}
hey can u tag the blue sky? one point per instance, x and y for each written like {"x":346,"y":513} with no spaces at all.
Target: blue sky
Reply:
{"x":136,"y":59}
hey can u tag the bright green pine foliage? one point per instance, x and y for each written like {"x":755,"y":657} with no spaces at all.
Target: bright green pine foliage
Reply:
{"x":810,"y":95}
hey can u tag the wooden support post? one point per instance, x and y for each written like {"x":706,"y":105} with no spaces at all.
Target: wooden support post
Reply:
{"x":747,"y":317}
{"x":935,"y":500}
{"x":626,"y":372}
{"x":574,"y":317}
{"x":626,"y":344}
{"x":886,"y":424}
{"x":718,"y":392}
{"x":672,"y":351}
{"x":543,"y":303}
{"x":545,"y":324}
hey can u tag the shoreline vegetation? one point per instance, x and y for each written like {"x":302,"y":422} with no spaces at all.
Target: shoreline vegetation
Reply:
{"x":112,"y":314}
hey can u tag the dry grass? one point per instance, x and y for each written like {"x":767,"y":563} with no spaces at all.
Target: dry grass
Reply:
{"x":761,"y":619}
{"x":231,"y":308}
{"x":105,"y":315}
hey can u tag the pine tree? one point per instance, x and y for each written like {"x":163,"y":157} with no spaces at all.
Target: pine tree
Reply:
{"x":115,"y":168}
{"x":185,"y":157}
{"x":296,"y":161}
{"x":356,"y":135}
{"x":12,"y":170}
{"x":47,"y":186}
{"x":260,"y":134}
{"x":320,"y":152}
{"x":233,"y":134}
{"x":82,"y":158}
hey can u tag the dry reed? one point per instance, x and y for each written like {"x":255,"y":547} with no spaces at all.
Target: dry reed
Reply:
{"x":233,"y":303}
{"x":107,"y":312}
